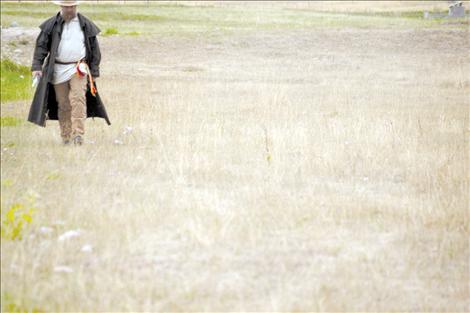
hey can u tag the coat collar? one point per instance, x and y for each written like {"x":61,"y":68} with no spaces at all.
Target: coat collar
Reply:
{"x":89,"y":28}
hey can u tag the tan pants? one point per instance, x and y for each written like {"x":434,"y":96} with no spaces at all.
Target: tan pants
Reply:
{"x":71,"y":97}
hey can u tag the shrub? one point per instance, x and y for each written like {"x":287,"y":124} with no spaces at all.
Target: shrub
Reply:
{"x":15,"y":220}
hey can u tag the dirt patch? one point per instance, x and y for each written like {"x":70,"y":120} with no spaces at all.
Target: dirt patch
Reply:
{"x":18,"y":44}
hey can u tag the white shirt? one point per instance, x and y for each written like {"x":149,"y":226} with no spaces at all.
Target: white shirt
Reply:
{"x":71,"y":49}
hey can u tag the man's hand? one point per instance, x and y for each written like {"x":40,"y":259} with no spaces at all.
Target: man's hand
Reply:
{"x":37,"y":73}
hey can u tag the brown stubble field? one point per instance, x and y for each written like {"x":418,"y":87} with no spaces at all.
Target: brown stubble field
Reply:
{"x":316,"y":169}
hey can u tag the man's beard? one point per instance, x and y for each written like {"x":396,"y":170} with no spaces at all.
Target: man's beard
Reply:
{"x":68,"y":16}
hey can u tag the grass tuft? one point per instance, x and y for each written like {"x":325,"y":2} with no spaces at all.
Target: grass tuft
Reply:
{"x":134,"y":33}
{"x":10,"y":305}
{"x":110,"y":31}
{"x":15,"y":82}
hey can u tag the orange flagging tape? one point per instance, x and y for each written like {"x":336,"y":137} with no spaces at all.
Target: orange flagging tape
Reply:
{"x":90,"y":78}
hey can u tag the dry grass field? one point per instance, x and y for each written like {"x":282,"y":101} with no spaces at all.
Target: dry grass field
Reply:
{"x":262,"y":157}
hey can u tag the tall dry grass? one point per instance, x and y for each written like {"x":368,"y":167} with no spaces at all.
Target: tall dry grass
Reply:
{"x":274,"y":171}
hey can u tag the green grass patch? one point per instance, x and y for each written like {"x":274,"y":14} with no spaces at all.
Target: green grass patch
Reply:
{"x":15,"y":82}
{"x":110,"y":32}
{"x":10,"y":121}
{"x":132,"y":33}
{"x":7,"y":182}
{"x":418,"y":14}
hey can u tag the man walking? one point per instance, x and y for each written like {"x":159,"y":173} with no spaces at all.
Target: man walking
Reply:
{"x":66,"y":60}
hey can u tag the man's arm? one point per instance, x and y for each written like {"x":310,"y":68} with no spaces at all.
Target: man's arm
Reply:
{"x":95,"y":57}
{"x":40,"y":53}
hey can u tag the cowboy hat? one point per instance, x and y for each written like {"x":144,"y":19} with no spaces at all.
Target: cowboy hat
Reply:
{"x":66,"y":3}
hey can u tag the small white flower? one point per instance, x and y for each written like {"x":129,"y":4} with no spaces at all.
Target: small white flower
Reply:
{"x":45,"y":230}
{"x":127,"y":130}
{"x":33,"y":195}
{"x":87,"y":248}
{"x":63,"y":269}
{"x":69,"y":234}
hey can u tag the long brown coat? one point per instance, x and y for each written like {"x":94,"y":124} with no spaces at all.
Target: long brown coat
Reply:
{"x":44,"y":106}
